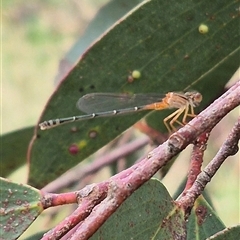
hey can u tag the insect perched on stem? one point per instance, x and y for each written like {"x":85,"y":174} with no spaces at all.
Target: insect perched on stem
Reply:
{"x":110,"y":104}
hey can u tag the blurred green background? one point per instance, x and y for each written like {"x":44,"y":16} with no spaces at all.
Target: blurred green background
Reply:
{"x":36,"y":35}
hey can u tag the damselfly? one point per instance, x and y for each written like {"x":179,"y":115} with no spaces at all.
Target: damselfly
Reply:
{"x":110,"y":104}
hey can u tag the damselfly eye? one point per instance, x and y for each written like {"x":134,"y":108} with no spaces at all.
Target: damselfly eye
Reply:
{"x":198,"y":97}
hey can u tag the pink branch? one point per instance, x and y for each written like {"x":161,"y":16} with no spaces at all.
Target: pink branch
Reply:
{"x":230,"y":147}
{"x":88,"y":197}
{"x":196,"y":159}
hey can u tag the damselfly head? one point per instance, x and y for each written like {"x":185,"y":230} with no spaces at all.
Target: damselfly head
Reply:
{"x":194,"y":97}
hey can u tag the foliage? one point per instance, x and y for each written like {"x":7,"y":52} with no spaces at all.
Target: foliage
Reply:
{"x":161,"y":41}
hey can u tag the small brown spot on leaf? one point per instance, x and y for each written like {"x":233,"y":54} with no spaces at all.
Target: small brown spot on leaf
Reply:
{"x":93,"y":134}
{"x":201,"y":213}
{"x":92,"y":86}
{"x":130,"y":79}
{"x":74,"y":129}
{"x":81,"y":89}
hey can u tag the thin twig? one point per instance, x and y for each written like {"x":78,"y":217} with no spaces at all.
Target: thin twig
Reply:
{"x":78,"y":173}
{"x":196,"y":159}
{"x":95,"y":194}
{"x":229,"y":147}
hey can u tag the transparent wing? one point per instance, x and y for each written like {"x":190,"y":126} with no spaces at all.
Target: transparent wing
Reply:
{"x":103,"y":102}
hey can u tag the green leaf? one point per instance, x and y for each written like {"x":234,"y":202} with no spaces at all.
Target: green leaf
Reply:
{"x":20,"y":205}
{"x":105,"y":17}
{"x":162,"y":41}
{"x":149,"y":213}
{"x":230,"y":233}
{"x":203,"y":221}
{"x":13,"y":149}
